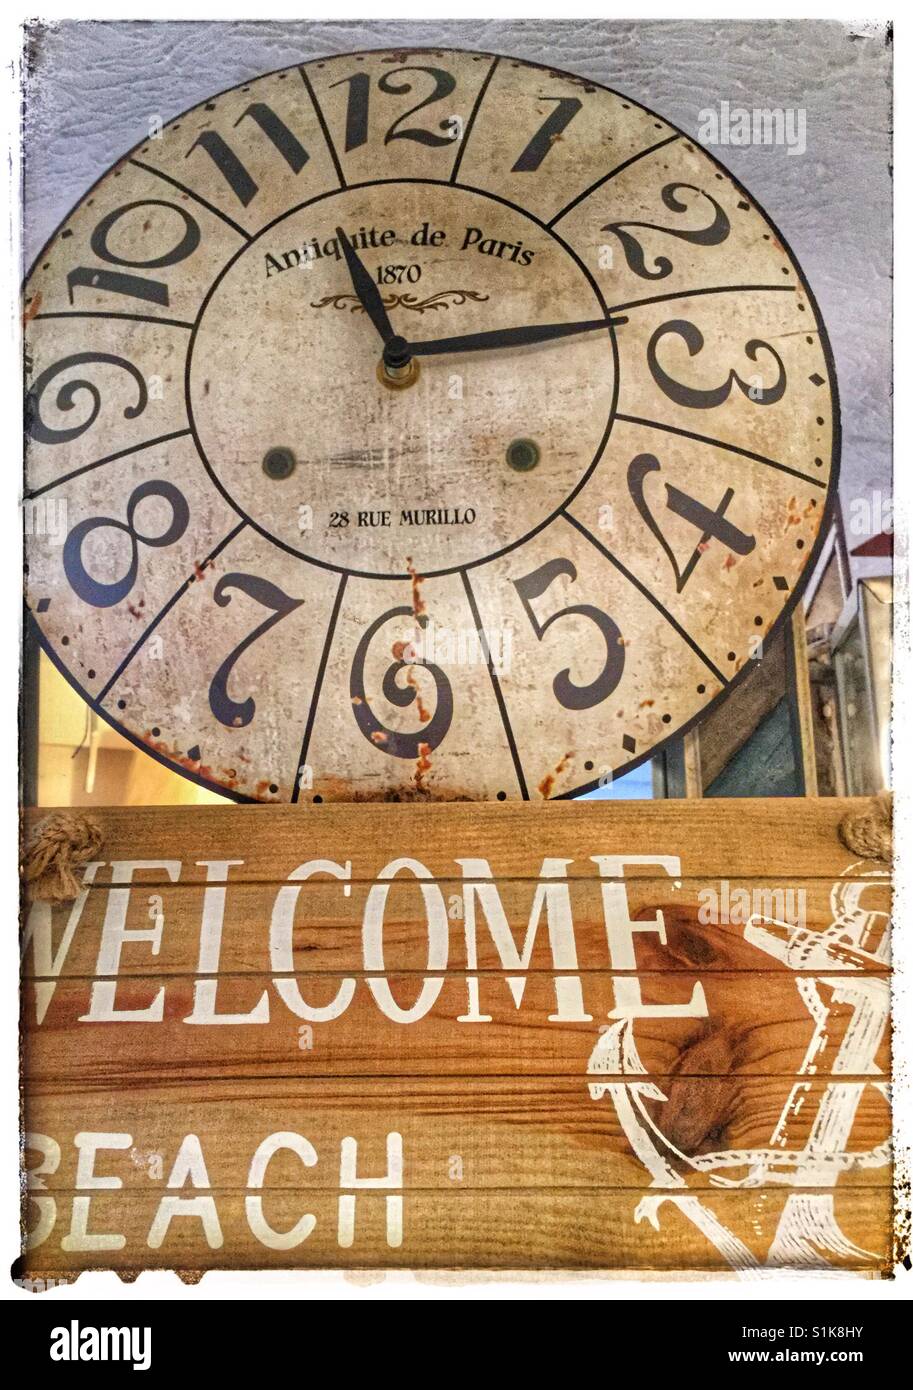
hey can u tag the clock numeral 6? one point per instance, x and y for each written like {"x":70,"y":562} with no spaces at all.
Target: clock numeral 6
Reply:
{"x":572,"y":696}
{"x":102,"y":595}
{"x":392,"y":741}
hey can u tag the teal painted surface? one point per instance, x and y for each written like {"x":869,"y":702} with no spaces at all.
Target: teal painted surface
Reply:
{"x":765,"y":765}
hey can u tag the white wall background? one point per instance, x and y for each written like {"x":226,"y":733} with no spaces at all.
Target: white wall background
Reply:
{"x":94,"y":87}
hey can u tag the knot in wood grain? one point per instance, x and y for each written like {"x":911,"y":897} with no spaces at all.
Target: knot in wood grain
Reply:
{"x":869,"y":831}
{"x":61,"y":844}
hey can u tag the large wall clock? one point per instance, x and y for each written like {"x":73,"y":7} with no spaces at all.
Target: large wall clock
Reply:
{"x":418,"y":424}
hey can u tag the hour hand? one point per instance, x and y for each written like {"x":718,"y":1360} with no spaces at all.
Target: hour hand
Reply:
{"x":369,"y":295}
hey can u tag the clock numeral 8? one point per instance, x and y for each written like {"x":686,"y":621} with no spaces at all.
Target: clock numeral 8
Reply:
{"x":106,"y":595}
{"x":572,"y":696}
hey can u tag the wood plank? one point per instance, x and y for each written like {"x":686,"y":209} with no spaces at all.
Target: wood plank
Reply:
{"x":497,"y":1133}
{"x":805,"y":924}
{"x":520,"y":1229}
{"x":781,"y":836}
{"x":748,"y":1024}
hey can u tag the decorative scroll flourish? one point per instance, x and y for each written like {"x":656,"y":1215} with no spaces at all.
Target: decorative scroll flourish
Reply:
{"x":807,"y":1231}
{"x":442,"y":300}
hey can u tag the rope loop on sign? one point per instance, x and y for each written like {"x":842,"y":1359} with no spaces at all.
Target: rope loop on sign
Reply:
{"x":869,"y":832}
{"x":60,"y":845}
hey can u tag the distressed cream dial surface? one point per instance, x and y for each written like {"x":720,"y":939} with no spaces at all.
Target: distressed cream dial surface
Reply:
{"x":404,"y":613}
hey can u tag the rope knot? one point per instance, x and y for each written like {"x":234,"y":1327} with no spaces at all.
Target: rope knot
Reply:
{"x":60,"y":844}
{"x":870,"y":832}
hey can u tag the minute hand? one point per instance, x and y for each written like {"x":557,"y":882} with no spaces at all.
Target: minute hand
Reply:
{"x":509,"y":337}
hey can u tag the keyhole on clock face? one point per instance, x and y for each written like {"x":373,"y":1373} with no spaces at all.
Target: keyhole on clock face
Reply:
{"x":278,"y":464}
{"x":523,"y":454}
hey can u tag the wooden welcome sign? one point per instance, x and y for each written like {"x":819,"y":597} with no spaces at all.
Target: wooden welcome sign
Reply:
{"x":616,"y":1037}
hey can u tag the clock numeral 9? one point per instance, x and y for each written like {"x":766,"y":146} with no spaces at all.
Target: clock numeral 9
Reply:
{"x":101,"y":595}
{"x":397,"y":744}
{"x":237,"y":714}
{"x":572,"y":696}
{"x":66,"y":397}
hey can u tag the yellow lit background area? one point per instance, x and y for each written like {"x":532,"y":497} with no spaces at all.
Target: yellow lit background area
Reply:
{"x":82,"y":761}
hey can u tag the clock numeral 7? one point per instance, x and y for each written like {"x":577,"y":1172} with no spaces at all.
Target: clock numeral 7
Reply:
{"x":572,"y":696}
{"x":710,"y":523}
{"x":237,"y":714}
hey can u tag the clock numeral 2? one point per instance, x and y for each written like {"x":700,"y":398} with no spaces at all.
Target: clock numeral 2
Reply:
{"x":572,"y":696}
{"x":229,"y":165}
{"x":708,"y":523}
{"x":712,"y":235}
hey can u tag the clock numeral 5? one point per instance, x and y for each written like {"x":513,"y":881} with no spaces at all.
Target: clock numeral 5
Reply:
{"x":709,"y":523}
{"x":237,"y":714}
{"x":397,"y":744}
{"x":92,"y":590}
{"x":572,"y":696}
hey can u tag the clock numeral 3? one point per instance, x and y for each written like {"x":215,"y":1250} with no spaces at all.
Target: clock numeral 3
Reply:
{"x":236,"y":175}
{"x":572,"y":696}
{"x":699,"y":399}
{"x":359,"y":99}
{"x":712,"y":235}
{"x":710,"y":523}
{"x":397,"y":744}
{"x":237,"y":714}
{"x":92,"y":590}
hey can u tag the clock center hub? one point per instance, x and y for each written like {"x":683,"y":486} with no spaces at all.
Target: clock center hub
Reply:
{"x":389,"y":479}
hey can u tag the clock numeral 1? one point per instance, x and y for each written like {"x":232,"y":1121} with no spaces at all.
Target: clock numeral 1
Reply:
{"x":230,"y":166}
{"x":566,"y":109}
{"x":572,"y":696}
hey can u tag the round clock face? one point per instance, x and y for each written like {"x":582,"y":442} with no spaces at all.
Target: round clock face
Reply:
{"x":418,"y":424}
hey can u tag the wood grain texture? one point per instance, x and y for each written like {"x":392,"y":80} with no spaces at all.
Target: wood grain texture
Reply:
{"x":663,"y":1065}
